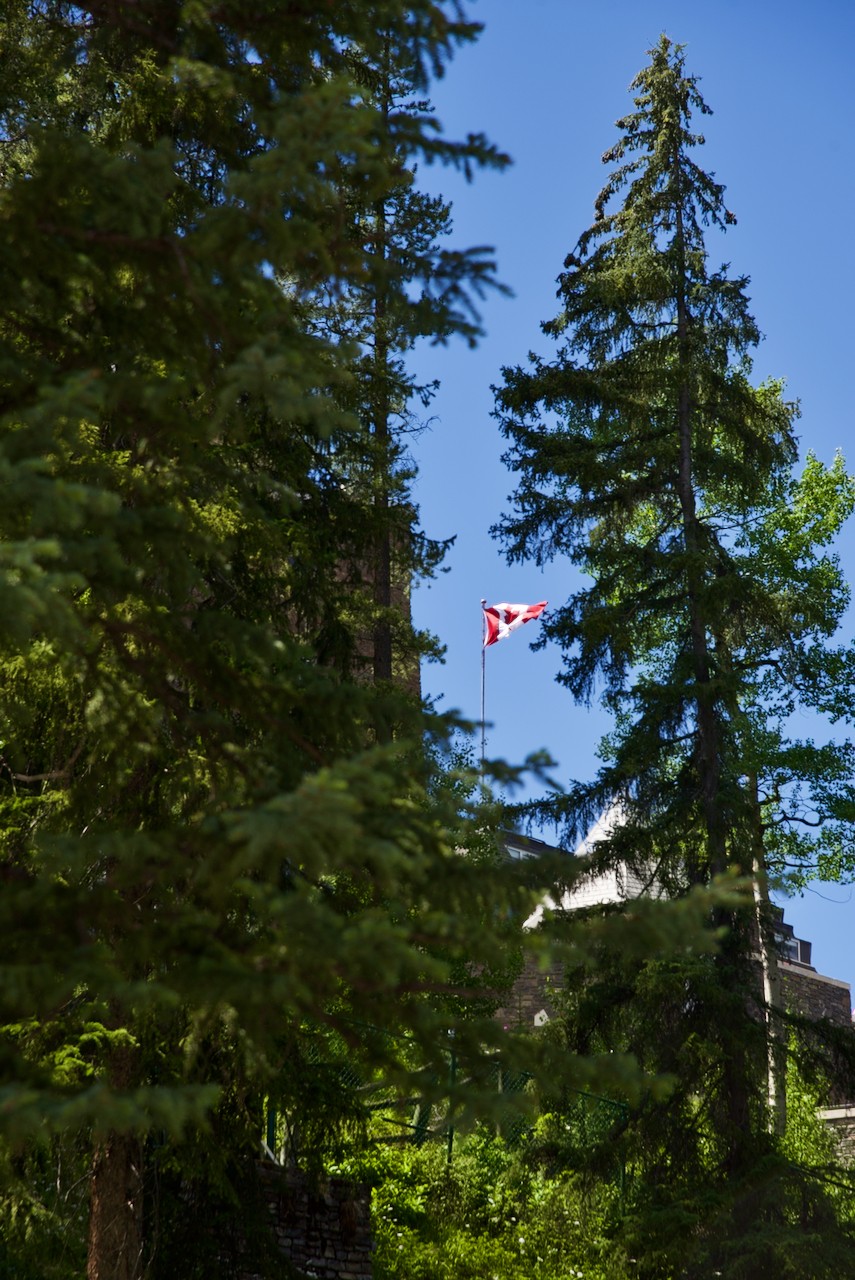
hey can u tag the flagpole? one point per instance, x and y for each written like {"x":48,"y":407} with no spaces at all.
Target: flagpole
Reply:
{"x":483,"y":665}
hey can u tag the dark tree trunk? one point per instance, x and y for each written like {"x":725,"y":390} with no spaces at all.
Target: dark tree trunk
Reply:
{"x":383,"y":597}
{"x":709,"y":765}
{"x":382,"y":439}
{"x":382,"y":567}
{"x":115,"y":1209}
{"x":116,"y":1192}
{"x":773,"y":998}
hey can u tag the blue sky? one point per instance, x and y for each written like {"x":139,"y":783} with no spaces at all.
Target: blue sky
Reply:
{"x":546,"y":82}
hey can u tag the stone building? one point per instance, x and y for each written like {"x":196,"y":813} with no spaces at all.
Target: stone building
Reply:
{"x":805,"y":990}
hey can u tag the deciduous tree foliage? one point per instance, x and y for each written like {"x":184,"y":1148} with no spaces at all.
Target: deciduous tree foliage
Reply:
{"x":648,"y":457}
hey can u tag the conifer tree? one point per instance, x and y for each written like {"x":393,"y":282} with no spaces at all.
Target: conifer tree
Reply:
{"x":207,"y":855}
{"x":648,"y":458}
{"x":403,"y":232}
{"x":200,"y":849}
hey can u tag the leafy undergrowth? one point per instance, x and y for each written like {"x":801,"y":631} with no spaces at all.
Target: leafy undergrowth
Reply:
{"x":497,"y":1212}
{"x":485,"y":1216}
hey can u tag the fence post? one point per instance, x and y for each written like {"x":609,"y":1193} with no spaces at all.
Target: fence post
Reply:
{"x":271,"y":1128}
{"x":451,"y":1070}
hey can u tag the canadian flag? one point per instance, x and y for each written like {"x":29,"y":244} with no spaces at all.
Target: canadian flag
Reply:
{"x":501,"y":619}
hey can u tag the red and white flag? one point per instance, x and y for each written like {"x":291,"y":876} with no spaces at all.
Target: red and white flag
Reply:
{"x":501,"y":619}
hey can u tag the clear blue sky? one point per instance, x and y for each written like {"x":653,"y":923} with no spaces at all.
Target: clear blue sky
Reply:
{"x":546,"y":82}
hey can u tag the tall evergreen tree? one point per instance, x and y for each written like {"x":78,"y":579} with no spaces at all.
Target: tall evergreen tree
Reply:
{"x":206,"y":851}
{"x":200,"y":849}
{"x":403,"y":233}
{"x":648,"y":458}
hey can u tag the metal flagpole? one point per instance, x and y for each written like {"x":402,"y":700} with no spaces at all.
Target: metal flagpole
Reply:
{"x":483,"y":656}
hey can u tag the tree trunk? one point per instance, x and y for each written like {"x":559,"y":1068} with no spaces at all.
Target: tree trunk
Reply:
{"x":116,"y":1190}
{"x":737,"y":1070}
{"x":382,"y":665}
{"x":115,"y":1209}
{"x":776,"y":1064}
{"x":709,"y":767}
{"x":382,"y":567}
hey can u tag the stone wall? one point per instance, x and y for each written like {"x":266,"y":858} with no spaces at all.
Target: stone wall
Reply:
{"x":841,"y":1121}
{"x":531,"y":995}
{"x":816,"y":996}
{"x":804,"y":990}
{"x":325,"y":1231}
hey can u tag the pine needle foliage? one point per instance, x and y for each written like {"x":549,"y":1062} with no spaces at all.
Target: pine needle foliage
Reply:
{"x":648,"y":458}
{"x":204,"y":845}
{"x":221,"y":836}
{"x":659,"y":444}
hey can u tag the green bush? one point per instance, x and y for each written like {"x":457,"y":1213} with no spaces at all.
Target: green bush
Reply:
{"x":491,"y":1214}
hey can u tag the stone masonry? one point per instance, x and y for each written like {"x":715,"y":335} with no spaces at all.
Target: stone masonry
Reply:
{"x":810,"y":993}
{"x":531,"y":995}
{"x":841,"y":1121}
{"x":805,"y":991}
{"x":815,"y":996}
{"x":325,"y":1231}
